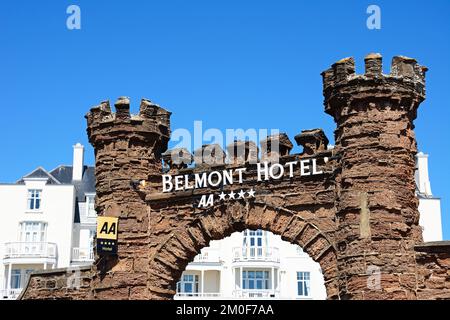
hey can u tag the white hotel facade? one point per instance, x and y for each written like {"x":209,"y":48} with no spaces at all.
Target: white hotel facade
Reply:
{"x":48,"y":221}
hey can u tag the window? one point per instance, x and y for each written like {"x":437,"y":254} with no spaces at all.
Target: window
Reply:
{"x":253,"y":243}
{"x":32,"y":236}
{"x":34,"y":199}
{"x":32,"y":231}
{"x":27,"y":273}
{"x":90,"y":206}
{"x":19,"y":277}
{"x":15,"y":279}
{"x":188,"y":284}
{"x":255,"y":280}
{"x":303,"y":284}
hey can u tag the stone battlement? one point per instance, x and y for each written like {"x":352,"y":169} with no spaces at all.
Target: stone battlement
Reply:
{"x":402,"y":68}
{"x":151,"y":119}
{"x":404,"y":86}
{"x":274,"y":148}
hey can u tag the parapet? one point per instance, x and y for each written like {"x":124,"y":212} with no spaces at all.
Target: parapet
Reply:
{"x":275,"y":146}
{"x":152,"y":119}
{"x":402,"y":68}
{"x":209,"y":155}
{"x":241,"y":152}
{"x":405,"y":83}
{"x":177,"y":159}
{"x":313,"y":141}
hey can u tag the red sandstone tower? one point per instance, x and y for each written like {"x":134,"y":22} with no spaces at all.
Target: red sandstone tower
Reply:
{"x":127,"y":148}
{"x":376,"y":207}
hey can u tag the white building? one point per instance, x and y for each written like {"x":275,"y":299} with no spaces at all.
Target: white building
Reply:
{"x":429,"y":205}
{"x":252,"y":265}
{"x":47,"y":221}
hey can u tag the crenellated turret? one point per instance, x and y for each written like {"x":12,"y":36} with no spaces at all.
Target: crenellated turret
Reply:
{"x":375,"y":188}
{"x":128,"y":148}
{"x":404,"y":87}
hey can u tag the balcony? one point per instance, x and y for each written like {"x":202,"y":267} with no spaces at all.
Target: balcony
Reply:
{"x":198,"y":295}
{"x":82,"y":254}
{"x":10,"y":294}
{"x":20,"y":250}
{"x":263,"y":254}
{"x":256,"y":294}
{"x":208,"y":256}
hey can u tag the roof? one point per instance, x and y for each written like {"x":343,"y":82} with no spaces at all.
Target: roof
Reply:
{"x":63,"y":175}
{"x":39,"y":173}
{"x":87,"y":184}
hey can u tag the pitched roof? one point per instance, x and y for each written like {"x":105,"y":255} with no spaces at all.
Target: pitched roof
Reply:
{"x":39,"y":173}
{"x":63,"y":175}
{"x":87,"y":184}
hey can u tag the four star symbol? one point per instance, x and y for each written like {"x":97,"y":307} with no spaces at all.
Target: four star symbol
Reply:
{"x":232,"y":195}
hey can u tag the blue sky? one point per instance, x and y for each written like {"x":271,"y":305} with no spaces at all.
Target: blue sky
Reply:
{"x":231,"y":64}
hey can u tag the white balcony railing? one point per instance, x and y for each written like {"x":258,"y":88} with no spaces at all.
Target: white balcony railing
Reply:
{"x":268,"y":254}
{"x":258,"y":294}
{"x":82,"y":254}
{"x":197,"y":295}
{"x":10,"y":294}
{"x":208,"y":255}
{"x":30,"y":250}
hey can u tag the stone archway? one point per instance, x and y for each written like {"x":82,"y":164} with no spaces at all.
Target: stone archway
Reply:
{"x":180,"y":247}
{"x":360,"y":212}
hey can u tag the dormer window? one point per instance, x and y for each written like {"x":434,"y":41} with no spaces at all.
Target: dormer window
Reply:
{"x":34,"y":199}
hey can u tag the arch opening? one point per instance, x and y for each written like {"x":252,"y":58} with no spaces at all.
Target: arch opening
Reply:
{"x":252,"y":264}
{"x":182,"y":247}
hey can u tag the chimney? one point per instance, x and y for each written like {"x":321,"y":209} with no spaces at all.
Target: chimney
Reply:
{"x":422,"y":179}
{"x":78,"y":162}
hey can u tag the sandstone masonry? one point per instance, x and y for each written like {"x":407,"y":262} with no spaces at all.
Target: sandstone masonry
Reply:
{"x":359,"y":215}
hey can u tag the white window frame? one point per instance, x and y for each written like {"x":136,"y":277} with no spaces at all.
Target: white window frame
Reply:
{"x":16,"y":279}
{"x":195,"y":283}
{"x":32,"y":239}
{"x":41,"y":229}
{"x":304,"y":279}
{"x":19,"y":277}
{"x":253,"y":242}
{"x":90,"y":206}
{"x":34,"y":196}
{"x":246,"y":279}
